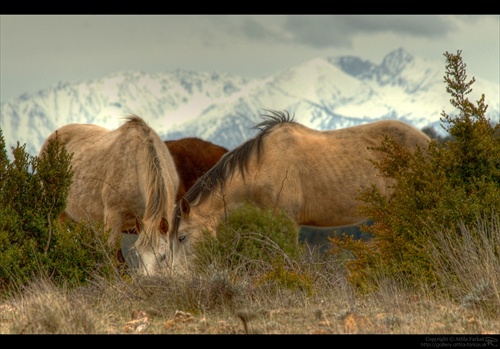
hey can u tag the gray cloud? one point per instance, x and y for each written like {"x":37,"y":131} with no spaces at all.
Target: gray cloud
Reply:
{"x":339,"y":30}
{"x":325,"y":31}
{"x":254,"y":30}
{"x":39,"y":50}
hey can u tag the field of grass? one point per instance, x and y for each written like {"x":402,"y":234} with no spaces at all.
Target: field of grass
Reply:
{"x":311,"y":295}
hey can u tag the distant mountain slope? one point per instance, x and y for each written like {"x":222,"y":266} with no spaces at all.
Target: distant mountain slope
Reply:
{"x":324,"y":93}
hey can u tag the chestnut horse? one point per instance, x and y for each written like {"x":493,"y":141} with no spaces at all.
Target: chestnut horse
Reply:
{"x":193,"y":157}
{"x":314,"y":176}
{"x":122,"y":178}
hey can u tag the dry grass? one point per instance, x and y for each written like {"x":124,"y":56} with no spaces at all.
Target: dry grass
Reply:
{"x":230,"y":302}
{"x":157,"y":309}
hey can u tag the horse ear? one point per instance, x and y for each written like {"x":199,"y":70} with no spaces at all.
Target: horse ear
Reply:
{"x":164,"y":225}
{"x":185,"y":208}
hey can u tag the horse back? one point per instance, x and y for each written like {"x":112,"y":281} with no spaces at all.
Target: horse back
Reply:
{"x":403,"y":133}
{"x":72,"y":136}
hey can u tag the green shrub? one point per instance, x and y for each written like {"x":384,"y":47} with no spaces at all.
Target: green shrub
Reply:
{"x":248,"y":239}
{"x":33,"y":193}
{"x":290,"y":278}
{"x":80,"y":251}
{"x":450,"y":182}
{"x":257,"y":243}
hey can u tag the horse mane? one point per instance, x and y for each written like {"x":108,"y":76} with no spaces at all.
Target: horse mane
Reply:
{"x":235,"y":159}
{"x":156,"y":189}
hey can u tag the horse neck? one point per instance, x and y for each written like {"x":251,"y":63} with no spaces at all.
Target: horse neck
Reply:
{"x":210,"y":212}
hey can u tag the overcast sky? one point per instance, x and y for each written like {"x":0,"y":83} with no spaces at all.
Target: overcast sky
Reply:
{"x":37,"y":51}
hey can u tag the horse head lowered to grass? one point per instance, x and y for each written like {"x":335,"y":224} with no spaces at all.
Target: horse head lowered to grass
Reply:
{"x":122,"y":178}
{"x":314,"y":176}
{"x":192,"y":157}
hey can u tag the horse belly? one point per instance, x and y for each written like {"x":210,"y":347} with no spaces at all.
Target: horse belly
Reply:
{"x":330,"y":198}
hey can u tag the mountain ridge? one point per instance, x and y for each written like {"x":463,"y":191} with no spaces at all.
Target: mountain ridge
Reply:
{"x":323,"y":93}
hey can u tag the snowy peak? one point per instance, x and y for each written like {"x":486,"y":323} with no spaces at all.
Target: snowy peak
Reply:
{"x":395,"y":62}
{"x":392,"y":65}
{"x":323,"y":93}
{"x":354,"y":66}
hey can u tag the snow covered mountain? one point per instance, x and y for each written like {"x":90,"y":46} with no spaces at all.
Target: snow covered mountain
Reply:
{"x":324,"y":93}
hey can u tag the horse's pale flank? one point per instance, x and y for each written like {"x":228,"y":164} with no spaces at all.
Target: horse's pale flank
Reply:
{"x":314,"y":176}
{"x":121,"y":178}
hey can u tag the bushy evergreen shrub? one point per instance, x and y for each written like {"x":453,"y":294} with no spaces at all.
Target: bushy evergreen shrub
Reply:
{"x":33,"y":243}
{"x":256,"y":242}
{"x":247,"y":238}
{"x":453,"y":181}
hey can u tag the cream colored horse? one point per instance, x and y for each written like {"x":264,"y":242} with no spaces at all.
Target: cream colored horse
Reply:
{"x":122,"y":177}
{"x":312,"y":175}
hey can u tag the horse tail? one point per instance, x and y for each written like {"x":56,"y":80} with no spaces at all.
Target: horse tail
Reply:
{"x":157,"y":194}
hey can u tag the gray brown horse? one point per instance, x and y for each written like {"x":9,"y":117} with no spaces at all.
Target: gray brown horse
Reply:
{"x":314,"y":176}
{"x":121,"y":178}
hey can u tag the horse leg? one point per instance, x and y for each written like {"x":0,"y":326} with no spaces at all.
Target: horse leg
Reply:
{"x":113,"y":225}
{"x":126,"y":244}
{"x":146,"y":257}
